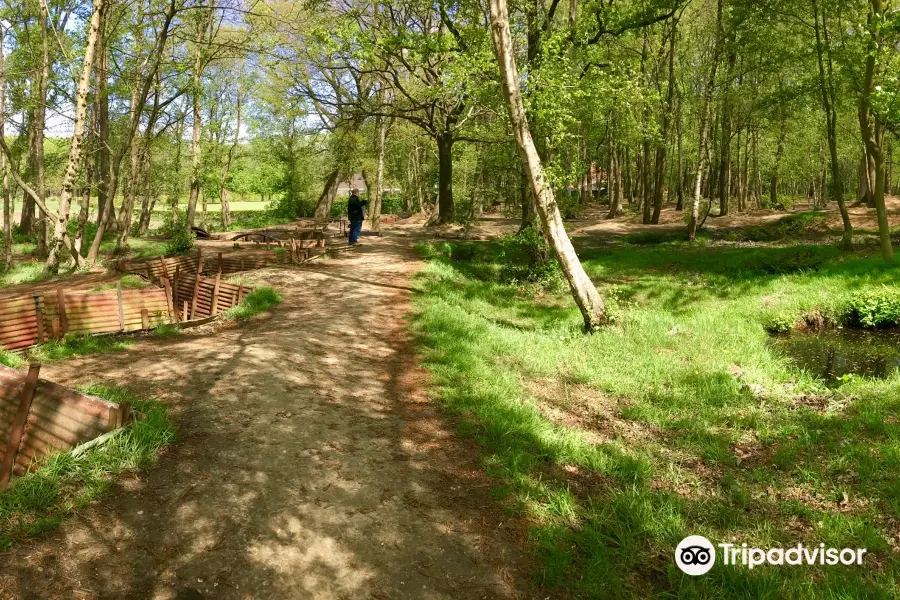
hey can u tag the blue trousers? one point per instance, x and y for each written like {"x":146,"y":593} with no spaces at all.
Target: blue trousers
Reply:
{"x":355,"y":228}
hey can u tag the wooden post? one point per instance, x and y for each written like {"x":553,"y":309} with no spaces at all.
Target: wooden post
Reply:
{"x":149,"y":272}
{"x":55,"y":328}
{"x":242,"y":263}
{"x":165,"y":270}
{"x":145,"y":319}
{"x":220,"y":263}
{"x":61,"y":310}
{"x":124,"y":414}
{"x":199,"y":261}
{"x":121,"y":308}
{"x":214,"y":305}
{"x":18,"y":426}
{"x":170,"y":301}
{"x":240,"y":293}
{"x":40,"y":317}
{"x":185,"y":316}
{"x":194,"y":297}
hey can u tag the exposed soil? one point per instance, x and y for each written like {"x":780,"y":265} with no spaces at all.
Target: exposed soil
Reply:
{"x":309,"y":463}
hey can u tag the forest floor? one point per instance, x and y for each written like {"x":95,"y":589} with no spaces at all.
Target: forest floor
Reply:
{"x":309,"y":462}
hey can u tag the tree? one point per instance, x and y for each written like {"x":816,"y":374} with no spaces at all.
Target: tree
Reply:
{"x":589,"y":301}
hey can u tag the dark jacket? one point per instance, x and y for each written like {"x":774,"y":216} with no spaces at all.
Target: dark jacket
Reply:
{"x":355,"y":207}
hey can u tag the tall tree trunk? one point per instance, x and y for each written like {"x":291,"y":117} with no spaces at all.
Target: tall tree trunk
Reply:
{"x":665,"y":128}
{"x":705,"y":118}
{"x":60,"y":242}
{"x":725,"y":145}
{"x":329,"y":193}
{"x":871,"y":130}
{"x":223,"y":190}
{"x":39,"y":131}
{"x":680,"y":178}
{"x":585,"y":294}
{"x":29,"y":208}
{"x":104,"y":171}
{"x":127,"y":211}
{"x":7,"y":205}
{"x":615,"y":186}
{"x":381,"y":131}
{"x":146,"y":201}
{"x":149,"y":67}
{"x":88,"y":170}
{"x":779,"y":154}
{"x":197,"y":92}
{"x":445,"y":177}
{"x":829,"y":98}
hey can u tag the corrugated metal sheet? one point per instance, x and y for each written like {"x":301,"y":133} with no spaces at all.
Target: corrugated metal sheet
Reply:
{"x":58,"y":419}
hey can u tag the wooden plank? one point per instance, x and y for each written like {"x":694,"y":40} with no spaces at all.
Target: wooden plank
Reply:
{"x":194,"y":295}
{"x":61,"y":304}
{"x":173,"y":314}
{"x":18,"y":428}
{"x":40,"y":317}
{"x":119,"y":302}
{"x":214,"y":309}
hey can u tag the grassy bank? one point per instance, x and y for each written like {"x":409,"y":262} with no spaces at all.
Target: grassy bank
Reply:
{"x":680,"y":419}
{"x":63,"y":483}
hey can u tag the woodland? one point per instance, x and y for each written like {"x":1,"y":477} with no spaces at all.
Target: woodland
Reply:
{"x":643,"y":227}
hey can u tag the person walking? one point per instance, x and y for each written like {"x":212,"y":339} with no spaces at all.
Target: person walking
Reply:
{"x":355,"y":213}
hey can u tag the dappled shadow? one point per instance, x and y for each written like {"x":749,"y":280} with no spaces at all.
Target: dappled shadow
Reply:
{"x":308,"y":463}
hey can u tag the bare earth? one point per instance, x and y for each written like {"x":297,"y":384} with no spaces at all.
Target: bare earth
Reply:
{"x":309,"y":463}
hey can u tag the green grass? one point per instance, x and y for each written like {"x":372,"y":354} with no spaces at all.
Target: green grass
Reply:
{"x":63,"y":483}
{"x":166,"y":330}
{"x":128,"y":282}
{"x":77,"y":345}
{"x":10,"y":359}
{"x":23,"y":272}
{"x":680,"y":419}
{"x":258,"y":301}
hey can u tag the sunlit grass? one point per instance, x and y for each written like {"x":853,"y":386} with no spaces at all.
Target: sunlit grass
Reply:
{"x":78,"y":345}
{"x":693,"y":424}
{"x":258,"y":301}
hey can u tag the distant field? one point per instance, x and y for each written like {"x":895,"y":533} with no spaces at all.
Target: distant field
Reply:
{"x":248,"y":206}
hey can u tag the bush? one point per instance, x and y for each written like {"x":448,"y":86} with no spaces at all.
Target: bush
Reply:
{"x":874,"y":308}
{"x":526,"y":257}
{"x":779,"y":323}
{"x":181,"y":239}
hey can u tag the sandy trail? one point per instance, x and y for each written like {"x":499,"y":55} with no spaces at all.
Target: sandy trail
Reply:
{"x":309,"y":463}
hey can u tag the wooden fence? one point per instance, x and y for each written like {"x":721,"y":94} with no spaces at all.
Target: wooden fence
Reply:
{"x":30,"y":319}
{"x":197,"y":297}
{"x":38,"y":417}
{"x":292,"y":251}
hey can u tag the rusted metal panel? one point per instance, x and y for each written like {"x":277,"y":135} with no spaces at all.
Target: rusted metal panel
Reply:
{"x":57,"y":419}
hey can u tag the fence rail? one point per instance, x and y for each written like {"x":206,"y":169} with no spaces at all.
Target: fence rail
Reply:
{"x":30,"y":319}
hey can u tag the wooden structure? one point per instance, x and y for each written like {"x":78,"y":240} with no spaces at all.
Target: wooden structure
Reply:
{"x":30,"y":319}
{"x":39,"y":417}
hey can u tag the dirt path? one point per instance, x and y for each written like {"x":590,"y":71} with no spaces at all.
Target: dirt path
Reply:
{"x":309,"y":463}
